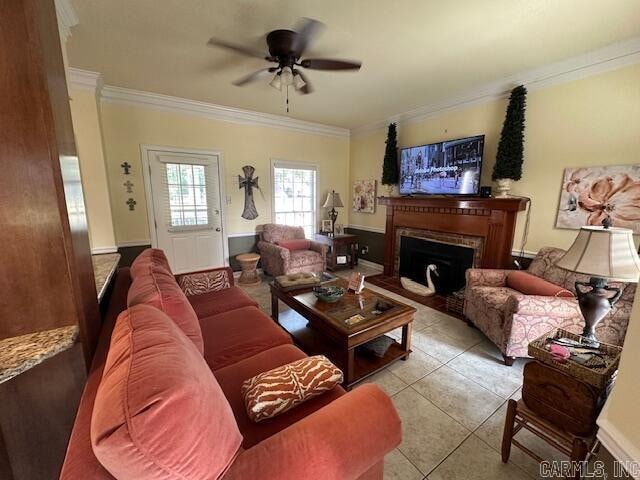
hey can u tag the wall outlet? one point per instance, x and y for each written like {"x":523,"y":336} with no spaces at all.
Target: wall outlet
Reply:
{"x":364,"y":250}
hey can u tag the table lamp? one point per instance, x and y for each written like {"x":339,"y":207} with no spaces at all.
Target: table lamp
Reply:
{"x":333,"y":201}
{"x":604,"y":253}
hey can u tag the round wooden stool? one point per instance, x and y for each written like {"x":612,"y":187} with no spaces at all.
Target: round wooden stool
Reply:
{"x":248,"y":263}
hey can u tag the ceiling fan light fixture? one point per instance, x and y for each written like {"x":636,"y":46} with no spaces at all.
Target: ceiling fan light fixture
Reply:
{"x":276,"y":82}
{"x":287,"y":76}
{"x":298,"y":82}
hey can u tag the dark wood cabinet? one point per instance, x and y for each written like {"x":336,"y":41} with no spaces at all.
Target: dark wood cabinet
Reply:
{"x":47,"y":276}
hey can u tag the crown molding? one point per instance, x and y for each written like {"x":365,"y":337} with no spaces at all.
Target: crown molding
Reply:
{"x":85,"y":80}
{"x":612,"y":57}
{"x":216,"y":112}
{"x":67,"y":18}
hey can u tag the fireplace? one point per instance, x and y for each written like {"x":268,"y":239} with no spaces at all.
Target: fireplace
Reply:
{"x":451,"y":262}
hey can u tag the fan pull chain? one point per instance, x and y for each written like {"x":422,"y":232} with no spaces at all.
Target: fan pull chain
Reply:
{"x":287,"y":98}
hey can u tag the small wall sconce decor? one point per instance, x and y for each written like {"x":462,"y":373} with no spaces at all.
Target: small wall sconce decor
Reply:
{"x":128,"y":185}
{"x":132,"y":204}
{"x":126,"y":167}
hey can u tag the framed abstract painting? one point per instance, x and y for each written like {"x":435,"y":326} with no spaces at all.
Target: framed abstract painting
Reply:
{"x":591,"y":194}
{"x":364,"y":196}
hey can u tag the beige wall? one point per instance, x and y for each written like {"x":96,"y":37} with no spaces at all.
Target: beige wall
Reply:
{"x":592,"y":121}
{"x":126,"y":127}
{"x":86,"y":126}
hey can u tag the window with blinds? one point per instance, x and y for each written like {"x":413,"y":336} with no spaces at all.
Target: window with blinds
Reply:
{"x":188,"y":198}
{"x":295,"y":196}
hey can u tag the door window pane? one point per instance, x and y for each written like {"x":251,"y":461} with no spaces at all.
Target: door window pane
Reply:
{"x":295,"y":197}
{"x":187,"y":195}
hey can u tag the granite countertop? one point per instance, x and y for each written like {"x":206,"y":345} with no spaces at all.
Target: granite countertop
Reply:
{"x":104,"y":266}
{"x":19,"y":354}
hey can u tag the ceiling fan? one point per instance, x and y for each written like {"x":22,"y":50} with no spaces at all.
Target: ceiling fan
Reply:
{"x":286,"y":48}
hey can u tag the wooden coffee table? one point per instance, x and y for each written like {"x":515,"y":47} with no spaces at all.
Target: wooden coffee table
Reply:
{"x":320,"y":328}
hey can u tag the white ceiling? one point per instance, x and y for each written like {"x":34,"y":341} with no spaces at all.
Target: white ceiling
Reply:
{"x":414,"y":52}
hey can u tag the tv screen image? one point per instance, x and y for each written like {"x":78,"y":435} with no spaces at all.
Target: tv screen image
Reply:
{"x":444,"y":168}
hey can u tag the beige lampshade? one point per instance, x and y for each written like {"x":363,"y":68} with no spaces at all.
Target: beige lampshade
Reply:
{"x":603,"y":252}
{"x":333,"y":200}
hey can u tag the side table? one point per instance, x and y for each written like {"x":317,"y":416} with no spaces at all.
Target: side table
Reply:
{"x":248,"y":263}
{"x":346,"y":244}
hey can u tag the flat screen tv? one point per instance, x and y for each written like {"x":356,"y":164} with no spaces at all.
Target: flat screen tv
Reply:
{"x":444,"y":168}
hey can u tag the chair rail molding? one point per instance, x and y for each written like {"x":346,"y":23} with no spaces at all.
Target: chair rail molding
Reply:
{"x":605,"y":59}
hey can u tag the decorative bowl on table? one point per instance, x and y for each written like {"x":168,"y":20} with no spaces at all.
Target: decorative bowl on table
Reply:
{"x":328,"y":294}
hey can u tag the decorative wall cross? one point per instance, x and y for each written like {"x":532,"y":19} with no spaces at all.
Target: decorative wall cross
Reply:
{"x":132,"y":204}
{"x":248,"y":183}
{"x":125,"y":166}
{"x":128,"y":186}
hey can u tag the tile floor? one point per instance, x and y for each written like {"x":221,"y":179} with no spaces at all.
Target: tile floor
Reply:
{"x":451,"y":395}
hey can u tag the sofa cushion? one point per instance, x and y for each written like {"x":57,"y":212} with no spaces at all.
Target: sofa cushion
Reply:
{"x":303,"y":258}
{"x":280,"y":389}
{"x":295,"y":244}
{"x":163,"y":293}
{"x":159,"y":411}
{"x":151,"y":259}
{"x":237,"y":334}
{"x":232,"y":377}
{"x":529,"y":284}
{"x":212,"y":303}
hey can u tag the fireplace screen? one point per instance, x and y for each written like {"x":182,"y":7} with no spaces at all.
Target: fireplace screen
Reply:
{"x":451,"y":261}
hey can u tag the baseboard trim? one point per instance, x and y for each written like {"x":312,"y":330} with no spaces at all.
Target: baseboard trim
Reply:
{"x":619,"y":446}
{"x":525,"y":253}
{"x":134,"y":243}
{"x":102,"y":250}
{"x":367,"y":263}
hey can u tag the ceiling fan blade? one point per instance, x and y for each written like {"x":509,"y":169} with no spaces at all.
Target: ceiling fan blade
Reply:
{"x":307,"y":30}
{"x":307,"y":87}
{"x":330,"y":64}
{"x":214,"y":42}
{"x":253,"y":76}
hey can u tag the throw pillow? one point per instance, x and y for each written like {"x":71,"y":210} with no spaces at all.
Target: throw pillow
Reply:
{"x":295,"y":244}
{"x":204,"y":282}
{"x":529,"y":284}
{"x":276,"y":391}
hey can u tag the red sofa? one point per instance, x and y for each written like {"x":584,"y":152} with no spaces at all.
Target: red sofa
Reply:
{"x":338,"y":435}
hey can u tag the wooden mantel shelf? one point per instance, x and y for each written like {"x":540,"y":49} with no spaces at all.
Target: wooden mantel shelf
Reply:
{"x":492,"y":220}
{"x":510,"y":204}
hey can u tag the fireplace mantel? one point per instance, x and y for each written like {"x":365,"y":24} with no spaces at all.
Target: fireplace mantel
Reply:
{"x":490,"y":219}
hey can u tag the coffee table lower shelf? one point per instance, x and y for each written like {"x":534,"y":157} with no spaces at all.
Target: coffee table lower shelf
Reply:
{"x":316,"y":343}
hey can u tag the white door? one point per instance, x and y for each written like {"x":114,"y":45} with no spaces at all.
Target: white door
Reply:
{"x":185,"y":192}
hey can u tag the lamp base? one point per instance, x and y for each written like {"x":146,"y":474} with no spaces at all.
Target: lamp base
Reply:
{"x":595,"y":304}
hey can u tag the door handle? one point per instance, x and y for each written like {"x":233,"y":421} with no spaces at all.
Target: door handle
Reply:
{"x":218,"y":229}
{"x":217,"y":212}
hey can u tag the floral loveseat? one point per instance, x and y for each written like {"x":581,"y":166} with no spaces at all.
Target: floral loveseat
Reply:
{"x":511,"y":319}
{"x":277,"y":260}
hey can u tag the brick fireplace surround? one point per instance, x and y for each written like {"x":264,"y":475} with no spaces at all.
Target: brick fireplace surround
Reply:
{"x":485,"y":224}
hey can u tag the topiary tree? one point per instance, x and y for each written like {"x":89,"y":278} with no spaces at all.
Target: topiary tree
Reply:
{"x":390,"y":163}
{"x":511,"y":147}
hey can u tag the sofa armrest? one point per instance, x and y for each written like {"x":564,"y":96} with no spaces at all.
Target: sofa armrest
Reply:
{"x":341,"y":440}
{"x":486,"y":277}
{"x":543,"y":306}
{"x":217,"y":279}
{"x":274,"y":250}
{"x":318,"y":247}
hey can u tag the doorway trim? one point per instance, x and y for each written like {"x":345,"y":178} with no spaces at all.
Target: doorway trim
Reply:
{"x":148,"y":191}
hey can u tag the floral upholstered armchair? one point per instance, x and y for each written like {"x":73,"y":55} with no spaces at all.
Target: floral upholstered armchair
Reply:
{"x":512,"y":319}
{"x":279,"y":260}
